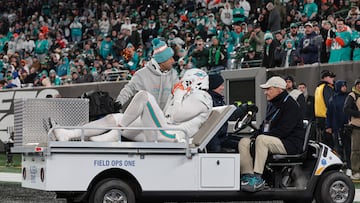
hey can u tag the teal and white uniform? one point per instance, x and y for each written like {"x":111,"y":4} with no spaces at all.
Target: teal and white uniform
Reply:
{"x":184,"y":110}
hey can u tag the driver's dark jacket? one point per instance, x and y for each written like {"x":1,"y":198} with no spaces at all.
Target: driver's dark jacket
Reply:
{"x":286,"y":122}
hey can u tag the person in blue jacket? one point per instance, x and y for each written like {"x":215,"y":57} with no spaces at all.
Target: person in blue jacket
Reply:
{"x":310,"y":45}
{"x":336,"y":119}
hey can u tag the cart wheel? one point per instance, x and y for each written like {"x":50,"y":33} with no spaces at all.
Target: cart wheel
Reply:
{"x":335,"y":187}
{"x":112,"y":190}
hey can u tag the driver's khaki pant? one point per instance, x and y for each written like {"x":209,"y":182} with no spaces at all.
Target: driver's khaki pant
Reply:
{"x":264,"y":144}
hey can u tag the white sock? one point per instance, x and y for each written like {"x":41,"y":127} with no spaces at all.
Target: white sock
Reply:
{"x":111,"y":136}
{"x":67,"y":134}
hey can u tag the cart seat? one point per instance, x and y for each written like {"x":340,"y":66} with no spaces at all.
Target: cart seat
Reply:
{"x":292,"y":159}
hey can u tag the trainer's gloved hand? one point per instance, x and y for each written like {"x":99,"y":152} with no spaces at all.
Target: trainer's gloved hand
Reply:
{"x":117,"y":106}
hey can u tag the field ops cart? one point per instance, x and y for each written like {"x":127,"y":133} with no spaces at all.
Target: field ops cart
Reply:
{"x":132,"y":172}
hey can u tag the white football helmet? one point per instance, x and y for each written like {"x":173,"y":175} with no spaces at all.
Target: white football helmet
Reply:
{"x":195,"y":79}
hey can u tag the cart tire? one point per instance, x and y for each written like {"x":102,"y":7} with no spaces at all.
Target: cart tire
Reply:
{"x":113,"y":190}
{"x":335,"y":187}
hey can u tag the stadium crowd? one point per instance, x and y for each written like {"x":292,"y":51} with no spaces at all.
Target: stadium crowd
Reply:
{"x":51,"y":42}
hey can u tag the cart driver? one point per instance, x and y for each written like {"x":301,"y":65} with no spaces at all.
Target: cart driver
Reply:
{"x":281,"y":132}
{"x":188,"y":108}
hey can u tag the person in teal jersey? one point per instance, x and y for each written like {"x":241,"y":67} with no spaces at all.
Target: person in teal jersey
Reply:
{"x":201,"y":20}
{"x":46,"y":9}
{"x":163,"y":27}
{"x":221,"y":33}
{"x":9,"y":34}
{"x":54,"y":79}
{"x":310,"y":9}
{"x":225,"y":39}
{"x":63,"y":70}
{"x":88,"y":51}
{"x":3,"y":40}
{"x":355,"y":41}
{"x":41,"y":47}
{"x":238,"y":13}
{"x":339,"y":43}
{"x":106,"y":47}
{"x":76,"y":30}
{"x":131,"y":63}
{"x":236,"y":35}
{"x":1,"y":67}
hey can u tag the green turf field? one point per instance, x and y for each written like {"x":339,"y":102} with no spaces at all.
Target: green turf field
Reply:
{"x":14,"y":168}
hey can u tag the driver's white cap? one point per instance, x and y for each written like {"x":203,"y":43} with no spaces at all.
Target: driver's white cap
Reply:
{"x":275,"y":81}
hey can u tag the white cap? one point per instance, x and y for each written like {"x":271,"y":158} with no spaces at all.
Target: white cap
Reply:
{"x":275,"y":81}
{"x":308,"y":24}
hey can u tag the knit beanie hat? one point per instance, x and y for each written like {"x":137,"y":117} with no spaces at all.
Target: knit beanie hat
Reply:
{"x":268,"y":35}
{"x":161,"y":52}
{"x":357,"y":81}
{"x":215,"y":80}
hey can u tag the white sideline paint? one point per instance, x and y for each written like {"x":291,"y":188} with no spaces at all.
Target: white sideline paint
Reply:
{"x":10,"y":177}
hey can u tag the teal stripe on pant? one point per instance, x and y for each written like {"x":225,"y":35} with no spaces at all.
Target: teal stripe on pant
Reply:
{"x":157,"y":123}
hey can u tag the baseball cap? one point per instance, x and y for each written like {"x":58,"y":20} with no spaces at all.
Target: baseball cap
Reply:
{"x":293,"y":25}
{"x":326,"y":73}
{"x":275,"y":81}
{"x":308,"y":24}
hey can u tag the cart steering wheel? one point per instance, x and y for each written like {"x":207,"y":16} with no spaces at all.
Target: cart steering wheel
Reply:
{"x":244,"y":122}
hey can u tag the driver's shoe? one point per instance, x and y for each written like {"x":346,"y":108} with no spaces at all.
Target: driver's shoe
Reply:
{"x":252,"y":183}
